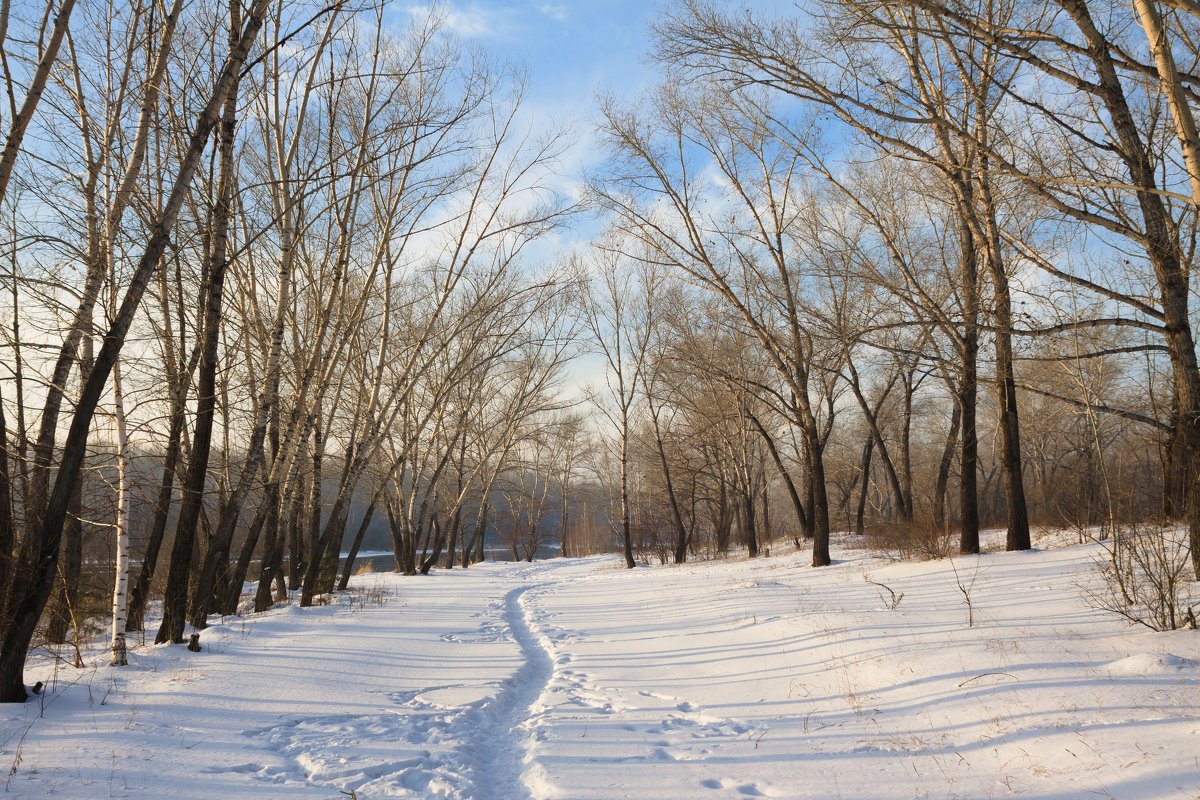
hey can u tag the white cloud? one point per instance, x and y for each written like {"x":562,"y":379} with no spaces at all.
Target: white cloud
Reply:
{"x":469,"y":21}
{"x":555,"y":11}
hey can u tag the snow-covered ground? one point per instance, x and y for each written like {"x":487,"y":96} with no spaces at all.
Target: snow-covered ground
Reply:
{"x":579,"y":679}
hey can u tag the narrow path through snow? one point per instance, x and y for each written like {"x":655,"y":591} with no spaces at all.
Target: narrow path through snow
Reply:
{"x":505,"y":738}
{"x":432,"y":741}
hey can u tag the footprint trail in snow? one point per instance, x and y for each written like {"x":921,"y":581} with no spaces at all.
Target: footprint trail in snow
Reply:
{"x":427,"y":744}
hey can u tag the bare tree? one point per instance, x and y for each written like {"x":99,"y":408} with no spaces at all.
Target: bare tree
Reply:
{"x":752,"y":264}
{"x":618,"y":316}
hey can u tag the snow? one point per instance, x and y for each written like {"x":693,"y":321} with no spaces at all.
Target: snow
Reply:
{"x":574,"y":678}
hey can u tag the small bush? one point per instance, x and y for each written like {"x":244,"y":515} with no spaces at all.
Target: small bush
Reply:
{"x":911,"y":539}
{"x":1143,"y":577}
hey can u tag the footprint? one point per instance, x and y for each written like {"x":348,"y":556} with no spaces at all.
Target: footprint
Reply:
{"x":249,"y":767}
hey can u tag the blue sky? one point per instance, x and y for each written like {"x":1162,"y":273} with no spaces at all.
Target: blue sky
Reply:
{"x":571,"y":48}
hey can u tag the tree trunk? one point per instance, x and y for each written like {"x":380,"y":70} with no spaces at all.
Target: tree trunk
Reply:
{"x":885,"y":456}
{"x":943,"y":474}
{"x":481,"y":543}
{"x":61,"y":613}
{"x":478,"y":535}
{"x":312,"y":544}
{"x":820,"y":496}
{"x":749,"y":520}
{"x":121,"y":584}
{"x":175,"y":597}
{"x":328,"y":574}
{"x":865,"y":472}
{"x":7,"y":528}
{"x":271,"y":569}
{"x":63,"y":608}
{"x":434,"y":552}
{"x":295,"y":548}
{"x":810,"y":523}
{"x":272,"y":557}
{"x":320,"y":574}
{"x":765,"y":529}
{"x":626,"y":532}
{"x":348,"y":568}
{"x":906,"y":476}
{"x":1172,"y":89}
{"x":228,"y":594}
{"x":1006,"y":387}
{"x":724,"y":518}
{"x":564,"y":527}
{"x":681,"y":533}
{"x":969,"y":469}
{"x":452,"y":540}
{"x":399,"y":541}
{"x":516,"y":556}
{"x":968,"y":390}
{"x":158,"y":526}
{"x":218,"y":546}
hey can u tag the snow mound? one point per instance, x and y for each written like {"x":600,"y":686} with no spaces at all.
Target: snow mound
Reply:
{"x":1153,"y":664}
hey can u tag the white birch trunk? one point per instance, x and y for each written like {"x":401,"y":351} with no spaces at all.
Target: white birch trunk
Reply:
{"x":1172,"y":89}
{"x":121,"y":585}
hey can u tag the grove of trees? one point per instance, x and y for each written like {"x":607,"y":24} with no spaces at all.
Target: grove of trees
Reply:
{"x":905,"y":269}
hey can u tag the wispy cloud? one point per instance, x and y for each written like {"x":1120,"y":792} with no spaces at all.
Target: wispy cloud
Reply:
{"x":468,"y":20}
{"x":555,"y":11}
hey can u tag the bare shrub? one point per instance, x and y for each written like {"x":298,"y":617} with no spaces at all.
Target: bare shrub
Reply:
{"x":649,"y":548}
{"x":917,"y":538}
{"x":1143,"y":577}
{"x":653,"y":538}
{"x":894,"y":598}
{"x":965,"y":587}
